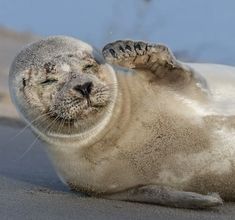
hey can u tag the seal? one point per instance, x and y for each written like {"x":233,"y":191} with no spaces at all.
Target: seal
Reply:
{"x":131,"y":123}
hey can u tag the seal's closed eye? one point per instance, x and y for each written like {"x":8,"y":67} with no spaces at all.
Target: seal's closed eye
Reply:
{"x":88,"y":66}
{"x":48,"y":81}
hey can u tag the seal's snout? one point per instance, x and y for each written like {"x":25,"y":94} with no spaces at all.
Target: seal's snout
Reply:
{"x":84,"y":89}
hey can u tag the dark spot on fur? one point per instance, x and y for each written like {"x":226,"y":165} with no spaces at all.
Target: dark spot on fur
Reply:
{"x":128,"y":47}
{"x":137,"y":46}
{"x":146,"y":47}
{"x":148,"y":59}
{"x":49,"y":67}
{"x":112,"y":51}
{"x":120,"y":48}
{"x":24,"y":82}
{"x":70,"y":55}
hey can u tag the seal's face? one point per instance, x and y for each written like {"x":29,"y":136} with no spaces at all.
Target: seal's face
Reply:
{"x":82,"y":93}
{"x":70,"y":92}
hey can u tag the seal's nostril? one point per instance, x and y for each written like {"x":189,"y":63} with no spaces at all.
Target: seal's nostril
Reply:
{"x":84,"y":89}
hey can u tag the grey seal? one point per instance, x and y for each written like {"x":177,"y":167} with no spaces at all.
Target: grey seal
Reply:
{"x":131,"y":123}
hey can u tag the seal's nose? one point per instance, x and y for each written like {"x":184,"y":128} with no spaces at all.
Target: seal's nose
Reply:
{"x":84,"y":89}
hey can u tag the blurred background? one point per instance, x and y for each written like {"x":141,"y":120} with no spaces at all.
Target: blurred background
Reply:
{"x":199,"y":29}
{"x":196,"y":31}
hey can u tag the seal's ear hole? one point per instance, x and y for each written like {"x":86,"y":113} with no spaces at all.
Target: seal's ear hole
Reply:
{"x":24,"y":82}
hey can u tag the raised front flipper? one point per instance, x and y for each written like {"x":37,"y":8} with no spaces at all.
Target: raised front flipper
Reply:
{"x":168,"y":197}
{"x":156,"y":58}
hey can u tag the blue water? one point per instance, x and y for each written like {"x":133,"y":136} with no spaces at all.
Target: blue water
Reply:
{"x":200,"y":29}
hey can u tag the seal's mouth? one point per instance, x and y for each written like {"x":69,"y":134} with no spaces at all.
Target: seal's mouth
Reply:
{"x":65,"y":124}
{"x":84,"y":112}
{"x":81,"y":102}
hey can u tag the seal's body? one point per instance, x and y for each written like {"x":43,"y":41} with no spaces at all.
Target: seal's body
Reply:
{"x":190,"y":145}
{"x":156,"y":131}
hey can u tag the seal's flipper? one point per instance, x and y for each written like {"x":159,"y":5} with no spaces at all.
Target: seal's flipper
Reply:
{"x":168,"y":197}
{"x":156,"y":58}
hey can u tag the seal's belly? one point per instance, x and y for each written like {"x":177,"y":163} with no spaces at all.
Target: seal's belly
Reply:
{"x":199,"y":165}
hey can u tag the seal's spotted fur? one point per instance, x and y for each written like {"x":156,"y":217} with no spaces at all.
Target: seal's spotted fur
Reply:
{"x":155,"y":131}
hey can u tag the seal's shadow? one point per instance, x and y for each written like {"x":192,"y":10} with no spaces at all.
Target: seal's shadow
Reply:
{"x":33,"y":167}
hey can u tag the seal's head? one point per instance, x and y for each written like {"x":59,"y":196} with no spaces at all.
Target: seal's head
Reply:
{"x":62,"y":86}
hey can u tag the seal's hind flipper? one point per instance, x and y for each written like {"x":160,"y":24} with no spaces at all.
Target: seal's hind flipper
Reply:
{"x":156,"y":58}
{"x":168,"y":197}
